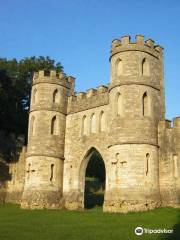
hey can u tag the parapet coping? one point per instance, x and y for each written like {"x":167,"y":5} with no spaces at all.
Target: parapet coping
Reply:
{"x":134,"y":83}
{"x":55,"y":83}
{"x":46,"y":109}
{"x":43,"y":155}
{"x":123,"y":143}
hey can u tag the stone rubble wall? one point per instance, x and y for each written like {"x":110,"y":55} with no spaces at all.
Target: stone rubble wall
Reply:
{"x":15,"y":185}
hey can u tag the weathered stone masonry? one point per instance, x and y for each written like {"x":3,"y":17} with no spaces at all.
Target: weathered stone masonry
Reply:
{"x":124,"y":121}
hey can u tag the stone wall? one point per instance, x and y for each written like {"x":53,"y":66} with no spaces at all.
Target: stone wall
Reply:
{"x":77,"y":147}
{"x":169,"y":162}
{"x":4,"y":177}
{"x":15,"y":185}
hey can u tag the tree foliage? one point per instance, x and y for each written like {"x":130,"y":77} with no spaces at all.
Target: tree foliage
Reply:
{"x":15,"y":86}
{"x":96,"y":167}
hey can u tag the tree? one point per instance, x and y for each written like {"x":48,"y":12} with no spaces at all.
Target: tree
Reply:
{"x":15,"y":86}
{"x":96,"y":167}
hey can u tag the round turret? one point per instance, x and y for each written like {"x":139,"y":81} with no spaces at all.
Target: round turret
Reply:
{"x":136,"y":89}
{"x":45,"y":153}
{"x":136,"y":94}
{"x":48,"y":113}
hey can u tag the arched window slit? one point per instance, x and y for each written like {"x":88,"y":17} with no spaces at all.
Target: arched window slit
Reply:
{"x":119,"y":67}
{"x":52,"y":172}
{"x":145,"y":67}
{"x":54,"y":126}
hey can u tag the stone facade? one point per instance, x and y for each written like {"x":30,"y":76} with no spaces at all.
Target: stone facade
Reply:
{"x":124,"y":122}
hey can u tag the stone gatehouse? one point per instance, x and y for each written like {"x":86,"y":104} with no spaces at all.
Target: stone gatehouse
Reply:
{"x":124,"y":121}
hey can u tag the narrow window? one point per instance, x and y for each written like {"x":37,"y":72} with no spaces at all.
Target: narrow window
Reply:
{"x":84,"y":125}
{"x":147,"y":163}
{"x":145,"y":67}
{"x":145,"y":104}
{"x":102,"y":121}
{"x":54,"y":126}
{"x":28,"y":171}
{"x":118,"y":104}
{"x":52,"y":172}
{"x":175,"y":166}
{"x":34,"y":97}
{"x":32,"y":126}
{"x":93,"y":124}
{"x":119,"y":67}
{"x":56,"y":96}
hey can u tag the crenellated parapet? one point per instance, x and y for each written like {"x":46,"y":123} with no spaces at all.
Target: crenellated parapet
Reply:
{"x":176,"y":133}
{"x":169,"y":137}
{"x":124,"y":44}
{"x":87,"y":100}
{"x":54,"y":78}
{"x":169,"y":158}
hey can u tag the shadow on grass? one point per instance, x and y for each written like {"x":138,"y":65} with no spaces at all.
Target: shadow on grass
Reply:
{"x":176,"y":232}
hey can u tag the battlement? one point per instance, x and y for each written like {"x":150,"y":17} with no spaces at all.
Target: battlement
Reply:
{"x":176,"y":122}
{"x":89,"y":99}
{"x":140,"y":44}
{"x":53,"y":77}
{"x":90,"y":93}
{"x":168,"y":124}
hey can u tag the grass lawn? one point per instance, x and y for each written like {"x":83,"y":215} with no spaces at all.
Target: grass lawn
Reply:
{"x":18,"y":224}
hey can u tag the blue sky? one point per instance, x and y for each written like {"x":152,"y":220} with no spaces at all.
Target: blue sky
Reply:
{"x":78,"y":33}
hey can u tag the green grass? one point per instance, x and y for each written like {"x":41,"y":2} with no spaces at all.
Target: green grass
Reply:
{"x":18,"y":224}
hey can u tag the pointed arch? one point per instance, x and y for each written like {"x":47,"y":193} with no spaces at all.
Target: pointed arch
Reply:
{"x":118,"y":104}
{"x":119,"y":67}
{"x":32,"y":126}
{"x":34,"y":96}
{"x":102,"y":122}
{"x":93,"y":124}
{"x":88,"y":157}
{"x":54,"y":126}
{"x":145,"y":67}
{"x":56,"y":97}
{"x":145,"y":105}
{"x":84,"y":126}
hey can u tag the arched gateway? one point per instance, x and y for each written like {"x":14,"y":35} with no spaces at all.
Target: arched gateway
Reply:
{"x":92,"y":175}
{"x":84,"y":179}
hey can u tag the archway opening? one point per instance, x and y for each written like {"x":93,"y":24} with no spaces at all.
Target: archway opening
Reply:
{"x":94,"y":181}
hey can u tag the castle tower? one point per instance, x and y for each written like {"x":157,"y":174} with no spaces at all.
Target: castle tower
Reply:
{"x":136,"y":95}
{"x":45,"y":153}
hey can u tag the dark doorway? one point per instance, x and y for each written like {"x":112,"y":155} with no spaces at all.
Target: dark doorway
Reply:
{"x":94,"y":181}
